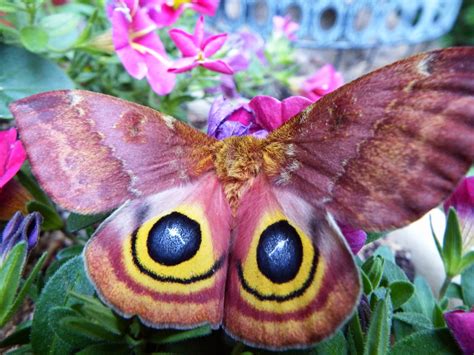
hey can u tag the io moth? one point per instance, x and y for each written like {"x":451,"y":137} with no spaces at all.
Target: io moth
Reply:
{"x":240,"y":233}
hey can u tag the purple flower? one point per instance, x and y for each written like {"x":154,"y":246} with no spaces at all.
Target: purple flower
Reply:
{"x":138,"y":46}
{"x":165,"y":12}
{"x":461,"y":325}
{"x":321,"y":83}
{"x":259,"y":116}
{"x":19,"y":229}
{"x":197,"y":50}
{"x":355,"y":237}
{"x":462,"y":200}
{"x":284,"y":26}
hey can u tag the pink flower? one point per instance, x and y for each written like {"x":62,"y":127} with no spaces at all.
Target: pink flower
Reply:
{"x":138,"y":46}
{"x":461,"y":325}
{"x":196,"y":50}
{"x":324,"y":81}
{"x":285,"y":27}
{"x":355,"y":237}
{"x":259,"y":116}
{"x":462,"y":200}
{"x":12,"y":155}
{"x":165,"y":12}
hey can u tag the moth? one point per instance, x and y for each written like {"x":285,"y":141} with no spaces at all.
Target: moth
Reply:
{"x":240,"y":233}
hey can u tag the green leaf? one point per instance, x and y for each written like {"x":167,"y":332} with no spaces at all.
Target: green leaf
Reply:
{"x":438,"y":318}
{"x":56,"y":293}
{"x":454,"y":291}
{"x":366,"y":284}
{"x":452,"y":245}
{"x":466,"y":261}
{"x":52,"y":221}
{"x":29,"y":182}
{"x":34,"y":38}
{"x":373,"y":267}
{"x":23,"y":74}
{"x":10,"y":276}
{"x":26,"y":287}
{"x":174,"y":336}
{"x":76,"y":222}
{"x":385,"y":252}
{"x":378,"y":335}
{"x":401,"y":291}
{"x":467,"y":285}
{"x":355,"y":334}
{"x":415,"y":319}
{"x":433,"y":342}
{"x":423,"y":301}
{"x":335,"y":345}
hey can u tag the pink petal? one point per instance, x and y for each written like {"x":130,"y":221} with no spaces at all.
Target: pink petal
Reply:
{"x":164,"y":15}
{"x":205,"y":7}
{"x":12,"y":161}
{"x":293,"y":105}
{"x":218,"y":66}
{"x":161,"y":80}
{"x":133,"y":62}
{"x":7,"y":139}
{"x":183,"y":64}
{"x":461,"y":324}
{"x":120,"y":27}
{"x":142,"y":22}
{"x":199,"y":32}
{"x":153,"y":42}
{"x":268,"y":112}
{"x":212,"y":44}
{"x":324,"y":81}
{"x":355,"y":237}
{"x":184,"y":41}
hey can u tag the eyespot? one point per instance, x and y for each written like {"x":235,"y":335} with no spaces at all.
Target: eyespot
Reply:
{"x":282,"y":263}
{"x":174,"y":239}
{"x":280,"y":252}
{"x":175,"y":247}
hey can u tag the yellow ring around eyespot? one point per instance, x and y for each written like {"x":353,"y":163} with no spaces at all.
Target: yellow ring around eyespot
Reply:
{"x":199,"y":264}
{"x":265,"y":287}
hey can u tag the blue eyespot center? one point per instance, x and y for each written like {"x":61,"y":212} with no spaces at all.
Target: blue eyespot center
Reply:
{"x":174,"y":238}
{"x":280,"y":252}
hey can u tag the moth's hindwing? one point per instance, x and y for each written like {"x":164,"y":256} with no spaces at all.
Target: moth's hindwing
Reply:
{"x":164,"y":257}
{"x":292,"y":280}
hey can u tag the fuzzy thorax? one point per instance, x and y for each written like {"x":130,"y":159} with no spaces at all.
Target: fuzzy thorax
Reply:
{"x":238,"y":160}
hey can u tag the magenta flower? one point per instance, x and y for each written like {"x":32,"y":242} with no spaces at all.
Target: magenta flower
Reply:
{"x":324,"y":81}
{"x":462,"y":200}
{"x":284,"y":26}
{"x":165,"y":12}
{"x":196,"y":50}
{"x":259,"y":116}
{"x":12,"y":155}
{"x":138,"y":46}
{"x":461,"y":325}
{"x":355,"y":237}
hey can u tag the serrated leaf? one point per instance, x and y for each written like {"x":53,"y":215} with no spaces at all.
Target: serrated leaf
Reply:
{"x":400,"y":291}
{"x":76,"y":222}
{"x":415,"y":319}
{"x":467,"y":285}
{"x":23,"y":73}
{"x":378,"y":336}
{"x":34,"y":38}
{"x":70,"y":277}
{"x":51,"y":221}
{"x":452,"y":244}
{"x":10,"y":275}
{"x":433,"y":342}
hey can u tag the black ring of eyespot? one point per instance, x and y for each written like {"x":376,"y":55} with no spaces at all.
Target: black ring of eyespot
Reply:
{"x":279,"y":298}
{"x":216,"y":266}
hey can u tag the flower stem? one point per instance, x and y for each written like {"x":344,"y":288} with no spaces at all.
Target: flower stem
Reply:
{"x":444,"y":287}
